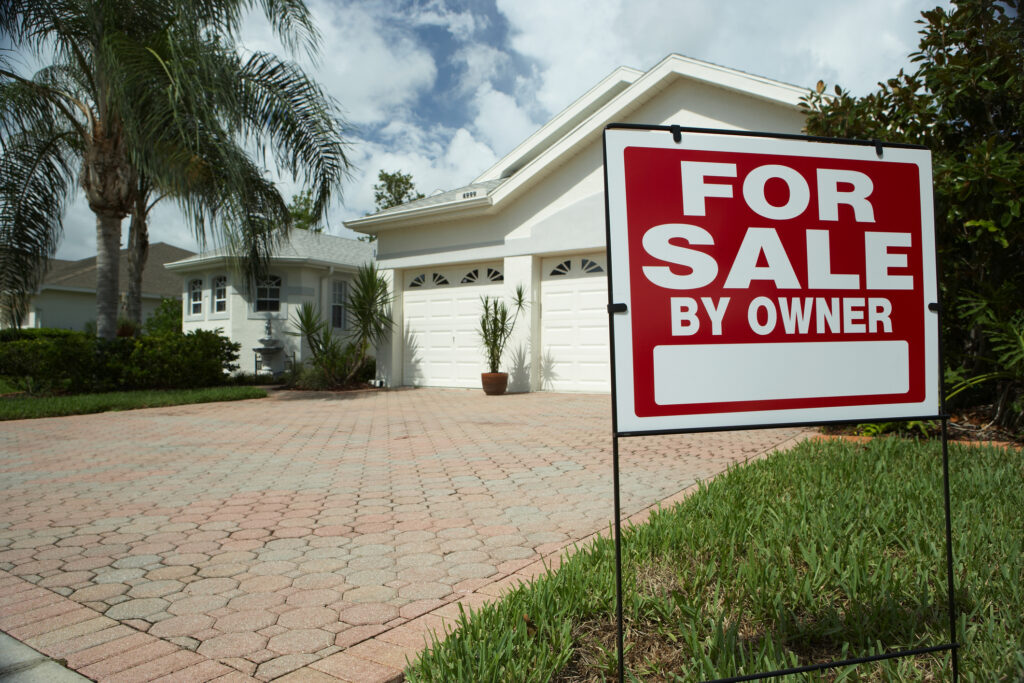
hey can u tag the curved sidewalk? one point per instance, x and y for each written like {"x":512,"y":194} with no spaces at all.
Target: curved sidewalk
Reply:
{"x":308,"y":536}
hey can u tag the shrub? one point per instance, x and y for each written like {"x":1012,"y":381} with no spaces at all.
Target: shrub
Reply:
{"x":166,"y":319}
{"x":77,"y":363}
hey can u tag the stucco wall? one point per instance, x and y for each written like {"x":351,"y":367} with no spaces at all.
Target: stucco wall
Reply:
{"x":242,"y":324}
{"x":72,"y":310}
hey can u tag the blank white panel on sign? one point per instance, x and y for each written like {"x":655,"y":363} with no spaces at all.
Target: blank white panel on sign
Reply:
{"x":718,"y":373}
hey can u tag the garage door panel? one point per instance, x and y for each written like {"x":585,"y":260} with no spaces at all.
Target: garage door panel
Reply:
{"x":441,"y":322}
{"x":574,"y":324}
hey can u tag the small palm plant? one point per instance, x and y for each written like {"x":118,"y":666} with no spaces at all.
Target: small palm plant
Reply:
{"x":496,"y":325}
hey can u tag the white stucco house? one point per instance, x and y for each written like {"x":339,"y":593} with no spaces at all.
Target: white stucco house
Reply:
{"x":67,"y":296}
{"x":537,"y":218}
{"x":305,"y":267}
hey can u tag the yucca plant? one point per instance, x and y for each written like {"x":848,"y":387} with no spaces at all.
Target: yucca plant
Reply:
{"x":496,"y":324}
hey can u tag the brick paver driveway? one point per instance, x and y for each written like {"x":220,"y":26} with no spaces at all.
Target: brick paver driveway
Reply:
{"x":308,"y":536}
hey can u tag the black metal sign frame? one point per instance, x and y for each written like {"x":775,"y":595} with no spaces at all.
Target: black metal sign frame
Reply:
{"x":618,"y":307}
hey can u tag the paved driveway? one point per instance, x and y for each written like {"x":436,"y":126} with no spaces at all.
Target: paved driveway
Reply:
{"x":307,"y":536}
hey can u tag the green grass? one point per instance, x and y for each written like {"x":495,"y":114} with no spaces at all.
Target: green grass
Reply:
{"x":28,"y":407}
{"x":828,"y":551}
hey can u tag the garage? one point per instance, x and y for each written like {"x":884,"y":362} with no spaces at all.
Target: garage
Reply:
{"x":442,"y":313}
{"x":574,"y":324}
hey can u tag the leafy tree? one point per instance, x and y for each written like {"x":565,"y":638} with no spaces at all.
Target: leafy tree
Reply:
{"x":153,"y":94}
{"x":166,"y":319}
{"x":965,"y":102}
{"x":394,"y":189}
{"x":302,"y":214}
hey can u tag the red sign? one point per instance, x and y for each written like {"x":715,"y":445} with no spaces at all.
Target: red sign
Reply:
{"x":769,"y":281}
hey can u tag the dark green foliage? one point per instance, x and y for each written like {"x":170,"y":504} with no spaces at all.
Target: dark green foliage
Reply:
{"x":166,"y":319}
{"x":77,"y":362}
{"x":827,"y":551}
{"x":301,"y":211}
{"x":965,"y":102}
{"x":394,"y":189}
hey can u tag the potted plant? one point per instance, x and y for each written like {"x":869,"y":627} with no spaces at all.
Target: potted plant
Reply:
{"x":496,"y":325}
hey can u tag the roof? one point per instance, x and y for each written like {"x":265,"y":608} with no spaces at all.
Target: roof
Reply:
{"x":301,"y":246}
{"x":156,"y":282}
{"x":569,"y":131}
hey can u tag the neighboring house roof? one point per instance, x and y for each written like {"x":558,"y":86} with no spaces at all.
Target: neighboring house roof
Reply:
{"x":613,"y":99}
{"x":80,"y":276}
{"x":300,"y":247}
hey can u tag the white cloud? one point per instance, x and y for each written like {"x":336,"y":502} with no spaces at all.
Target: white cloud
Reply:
{"x":500,"y":121}
{"x":461,"y":25}
{"x":575,"y":43}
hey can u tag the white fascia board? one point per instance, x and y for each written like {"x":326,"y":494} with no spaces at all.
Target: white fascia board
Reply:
{"x":623,"y":74}
{"x":373,"y":224}
{"x":673,"y":66}
{"x":65,"y":288}
{"x":222,"y":261}
{"x":196,"y":263}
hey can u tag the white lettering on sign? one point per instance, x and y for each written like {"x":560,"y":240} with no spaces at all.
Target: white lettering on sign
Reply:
{"x":779,"y":269}
{"x":879,"y":260}
{"x":695,"y":190}
{"x":656,"y":243}
{"x":819,"y":265}
{"x":757,"y":241}
{"x":799,"y":192}
{"x":685,"y":321}
{"x":833,"y":315}
{"x":830,"y":196}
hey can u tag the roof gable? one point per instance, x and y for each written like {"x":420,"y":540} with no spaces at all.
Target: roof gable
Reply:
{"x":611,"y":100}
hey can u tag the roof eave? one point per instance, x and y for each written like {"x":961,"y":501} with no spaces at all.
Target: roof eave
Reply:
{"x":375,"y":223}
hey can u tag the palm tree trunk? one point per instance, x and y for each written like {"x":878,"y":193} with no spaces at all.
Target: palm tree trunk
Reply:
{"x":108,"y":247}
{"x":138,"y":252}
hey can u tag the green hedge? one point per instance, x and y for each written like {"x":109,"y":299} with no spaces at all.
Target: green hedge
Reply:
{"x":73,"y":362}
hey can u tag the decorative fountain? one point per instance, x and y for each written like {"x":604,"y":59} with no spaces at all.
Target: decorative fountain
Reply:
{"x":268,"y":349}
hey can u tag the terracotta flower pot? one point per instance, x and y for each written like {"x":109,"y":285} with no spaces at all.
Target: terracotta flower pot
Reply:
{"x":495,"y":383}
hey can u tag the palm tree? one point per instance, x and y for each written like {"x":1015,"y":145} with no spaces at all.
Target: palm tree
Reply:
{"x":154,"y":96}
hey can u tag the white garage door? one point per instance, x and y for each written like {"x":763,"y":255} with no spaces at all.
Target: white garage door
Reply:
{"x":574,"y":324}
{"x":442,"y":312}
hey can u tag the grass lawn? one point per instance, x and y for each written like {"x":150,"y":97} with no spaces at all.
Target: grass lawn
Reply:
{"x":27,"y":407}
{"x":828,"y":551}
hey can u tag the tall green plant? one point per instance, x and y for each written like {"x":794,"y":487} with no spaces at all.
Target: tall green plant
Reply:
{"x":159,"y":90}
{"x":496,"y":325}
{"x":369,"y":313}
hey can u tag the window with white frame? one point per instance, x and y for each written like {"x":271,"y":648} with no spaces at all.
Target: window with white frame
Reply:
{"x":220,"y":294}
{"x":268,"y":294}
{"x":195,"y":297}
{"x":339,"y":316}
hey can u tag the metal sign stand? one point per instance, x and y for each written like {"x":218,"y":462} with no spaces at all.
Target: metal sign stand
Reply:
{"x":613,"y":308}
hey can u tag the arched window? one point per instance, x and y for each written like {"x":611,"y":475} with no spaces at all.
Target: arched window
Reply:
{"x":195,"y":297}
{"x":268,"y":294}
{"x":220,"y":294}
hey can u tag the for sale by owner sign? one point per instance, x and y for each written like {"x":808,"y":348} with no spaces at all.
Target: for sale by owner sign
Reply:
{"x":769,"y":280}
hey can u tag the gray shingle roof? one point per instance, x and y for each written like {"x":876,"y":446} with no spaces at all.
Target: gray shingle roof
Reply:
{"x":301,"y":245}
{"x":155,"y":280}
{"x":478,"y":189}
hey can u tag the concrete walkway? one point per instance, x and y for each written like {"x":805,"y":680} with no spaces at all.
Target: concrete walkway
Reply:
{"x":307,"y":537}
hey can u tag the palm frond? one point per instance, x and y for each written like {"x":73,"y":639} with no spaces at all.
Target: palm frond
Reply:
{"x":37,"y":172}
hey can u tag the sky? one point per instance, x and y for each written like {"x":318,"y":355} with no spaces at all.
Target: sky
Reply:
{"x":442,"y":89}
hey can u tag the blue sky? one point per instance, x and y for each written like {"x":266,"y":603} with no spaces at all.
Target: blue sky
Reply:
{"x":443,"y":88}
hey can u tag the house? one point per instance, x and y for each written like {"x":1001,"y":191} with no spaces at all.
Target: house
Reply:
{"x":67,"y":297}
{"x":537,"y":218}
{"x":305,"y":267}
